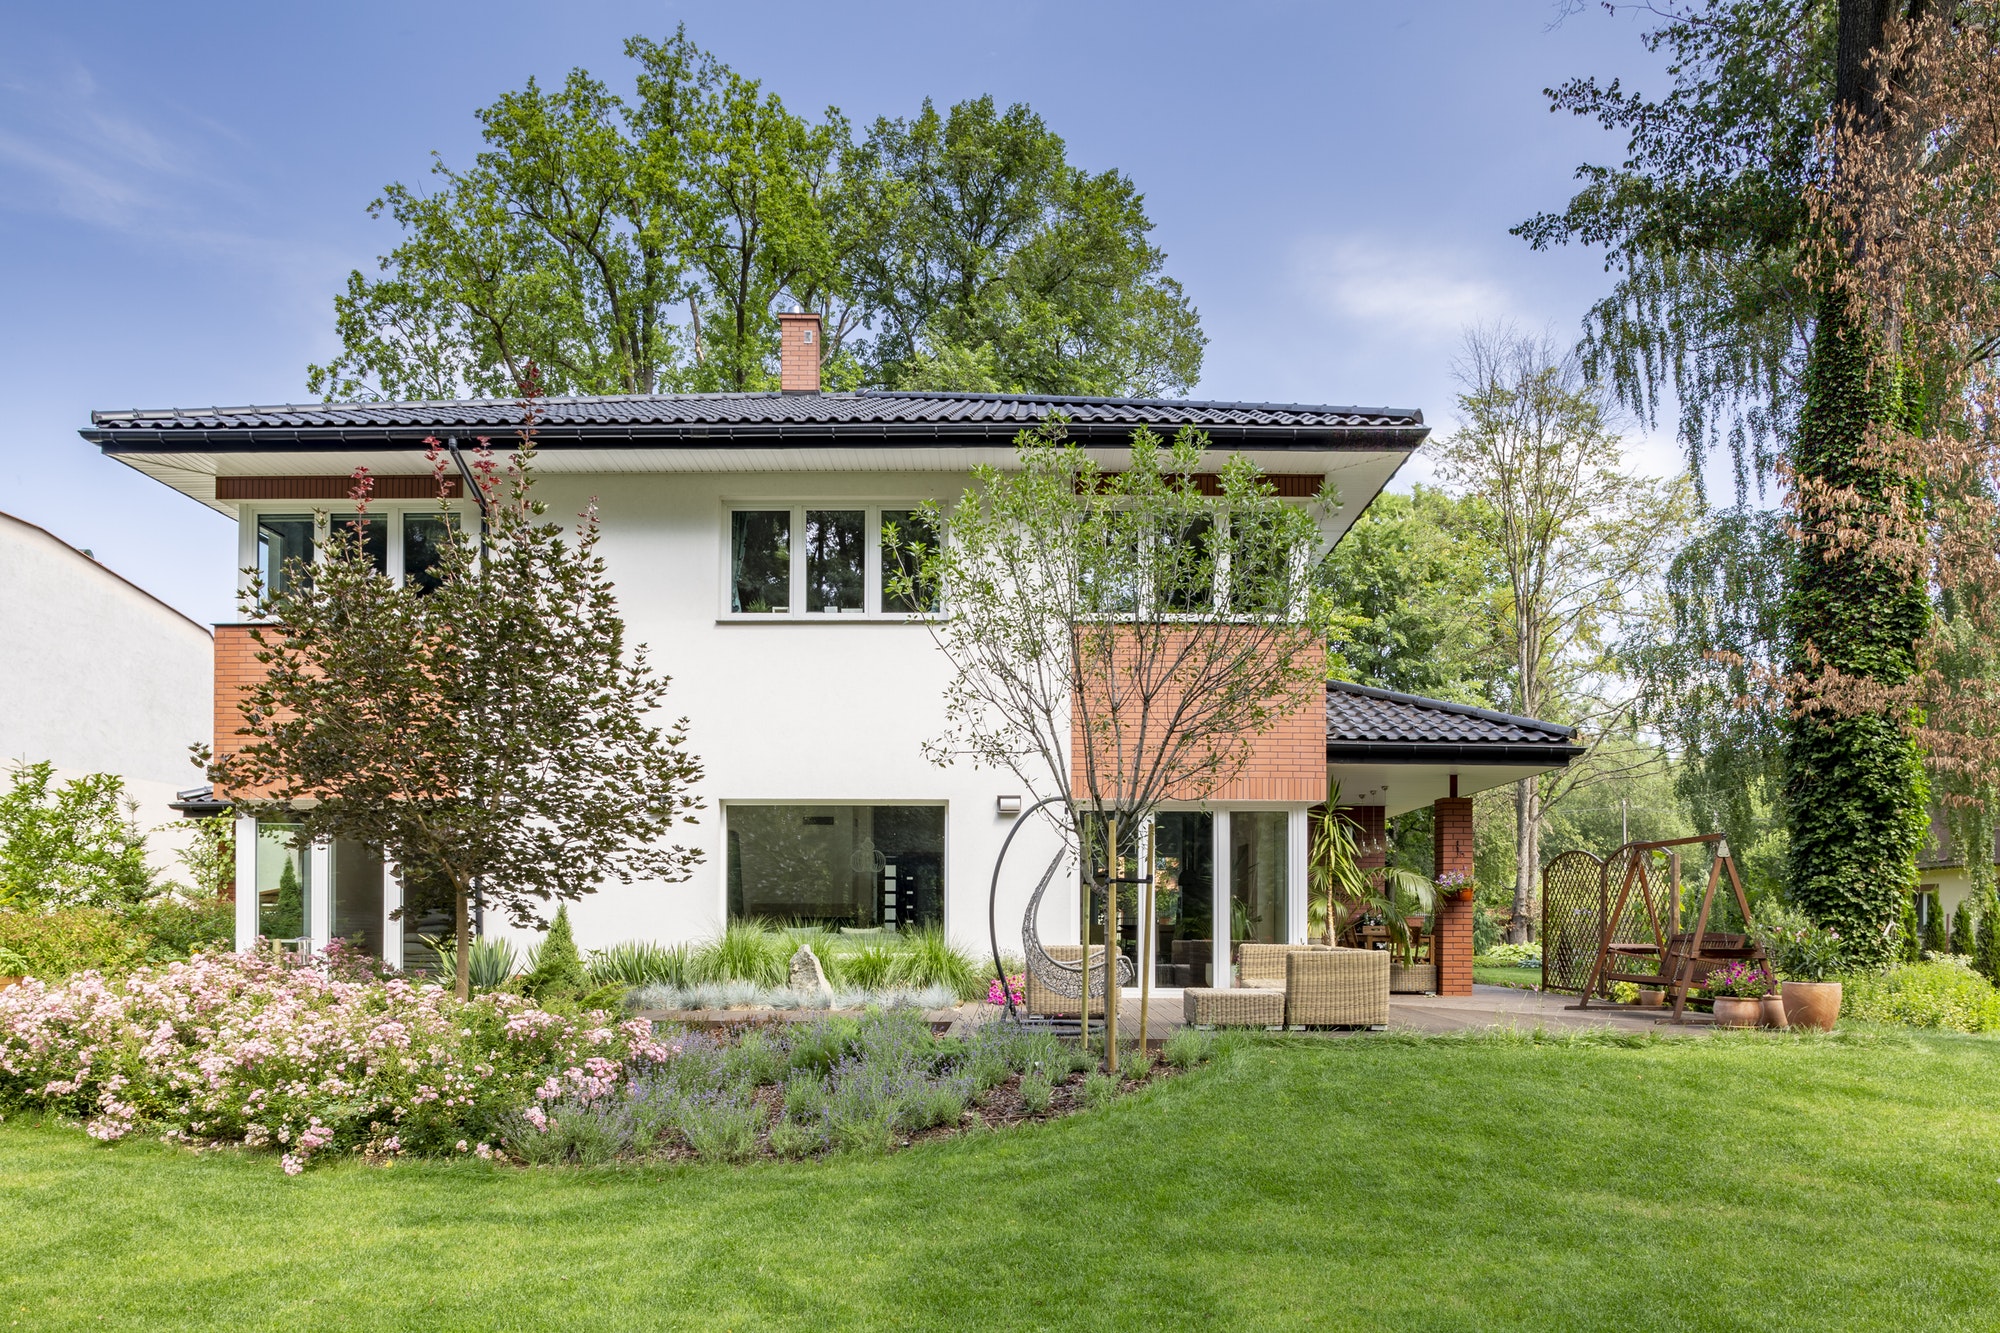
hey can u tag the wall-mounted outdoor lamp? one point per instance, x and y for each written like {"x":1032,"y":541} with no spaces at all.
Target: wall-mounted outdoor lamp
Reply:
{"x":1007,"y":807}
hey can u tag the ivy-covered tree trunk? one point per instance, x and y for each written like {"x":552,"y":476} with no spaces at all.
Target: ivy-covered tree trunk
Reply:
{"x":1854,"y":786}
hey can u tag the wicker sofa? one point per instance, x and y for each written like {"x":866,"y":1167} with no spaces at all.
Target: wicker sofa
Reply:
{"x":1320,"y":986}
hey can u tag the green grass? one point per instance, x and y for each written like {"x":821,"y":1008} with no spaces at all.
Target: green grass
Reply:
{"x":1733,"y":1182}
{"x":1520,"y":978}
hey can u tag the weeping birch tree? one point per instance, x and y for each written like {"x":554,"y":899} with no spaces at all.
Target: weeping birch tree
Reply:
{"x":1119,"y":638}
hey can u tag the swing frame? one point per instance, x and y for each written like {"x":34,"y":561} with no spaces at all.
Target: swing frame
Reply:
{"x":1685,"y":957}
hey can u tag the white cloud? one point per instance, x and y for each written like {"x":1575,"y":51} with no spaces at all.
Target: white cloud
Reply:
{"x":1426,"y":293}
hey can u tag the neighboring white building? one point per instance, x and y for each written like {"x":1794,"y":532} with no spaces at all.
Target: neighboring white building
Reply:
{"x":99,"y":676}
{"x":742,"y":531}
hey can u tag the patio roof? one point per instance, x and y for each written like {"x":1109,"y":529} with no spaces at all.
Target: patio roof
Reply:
{"x":1365,"y":725}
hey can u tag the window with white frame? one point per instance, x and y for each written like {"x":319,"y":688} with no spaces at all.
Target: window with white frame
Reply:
{"x":405,"y":544}
{"x":837,"y":559}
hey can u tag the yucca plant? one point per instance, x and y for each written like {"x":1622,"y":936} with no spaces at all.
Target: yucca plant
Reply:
{"x":491,"y":961}
{"x":1341,"y":892}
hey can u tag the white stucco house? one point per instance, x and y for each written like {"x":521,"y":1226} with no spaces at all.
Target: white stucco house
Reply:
{"x":99,"y":676}
{"x":743,"y":532}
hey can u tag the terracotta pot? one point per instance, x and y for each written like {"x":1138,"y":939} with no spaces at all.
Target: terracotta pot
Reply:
{"x":1463,"y":895}
{"x":1774,"y":1010}
{"x":1812,"y":1004}
{"x":1652,"y":999}
{"x":1733,"y":1012}
{"x":6,"y":982}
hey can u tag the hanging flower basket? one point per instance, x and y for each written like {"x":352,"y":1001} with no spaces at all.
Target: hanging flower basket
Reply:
{"x":1455,"y":886}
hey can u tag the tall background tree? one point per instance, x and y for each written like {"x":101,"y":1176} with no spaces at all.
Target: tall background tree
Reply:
{"x":647,"y":244}
{"x":1717,"y":298}
{"x":1578,"y":542}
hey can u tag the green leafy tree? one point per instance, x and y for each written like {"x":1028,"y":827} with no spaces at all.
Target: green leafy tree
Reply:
{"x":1717,"y":648}
{"x":1935,"y":939}
{"x":287,"y":917}
{"x":210,"y":856}
{"x":497,"y":729}
{"x":1414,"y":582}
{"x":72,"y":843}
{"x":1003,"y":255}
{"x":1577,"y":540}
{"x":1855,"y":786}
{"x":1116,"y":638}
{"x":647,"y":244}
{"x":1704,"y":223}
{"x":1962,"y":929}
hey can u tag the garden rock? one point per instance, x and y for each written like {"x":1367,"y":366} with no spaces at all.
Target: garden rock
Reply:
{"x":808,"y":976}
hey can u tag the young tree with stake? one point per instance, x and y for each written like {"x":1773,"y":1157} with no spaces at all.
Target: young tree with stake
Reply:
{"x":1118,"y":639}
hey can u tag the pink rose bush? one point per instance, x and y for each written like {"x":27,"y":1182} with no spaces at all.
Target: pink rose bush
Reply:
{"x":231,"y":1048}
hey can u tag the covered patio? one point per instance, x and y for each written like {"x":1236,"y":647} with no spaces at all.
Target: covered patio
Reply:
{"x":1394,"y":753}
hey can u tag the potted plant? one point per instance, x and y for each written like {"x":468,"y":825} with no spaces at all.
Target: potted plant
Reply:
{"x":1810,"y":959}
{"x":1455,"y":885}
{"x":1343,"y":894}
{"x":1738,"y":991}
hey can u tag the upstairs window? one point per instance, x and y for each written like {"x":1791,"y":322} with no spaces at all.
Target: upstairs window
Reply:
{"x":282,"y":539}
{"x":760,"y":558}
{"x":836,"y":560}
{"x":424,"y":539}
{"x":810,"y":561}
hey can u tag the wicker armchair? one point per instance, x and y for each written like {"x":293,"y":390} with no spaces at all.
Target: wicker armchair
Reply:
{"x":1337,"y":988}
{"x":1263,"y":965}
{"x":1041,"y":1000}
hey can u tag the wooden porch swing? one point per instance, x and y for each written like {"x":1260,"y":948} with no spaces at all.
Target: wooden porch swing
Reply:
{"x":1684,"y":958}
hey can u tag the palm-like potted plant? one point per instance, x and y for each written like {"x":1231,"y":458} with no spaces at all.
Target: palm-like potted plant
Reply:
{"x":1342,"y":892}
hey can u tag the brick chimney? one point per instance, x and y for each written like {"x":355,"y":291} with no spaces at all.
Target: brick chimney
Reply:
{"x":798,"y":351}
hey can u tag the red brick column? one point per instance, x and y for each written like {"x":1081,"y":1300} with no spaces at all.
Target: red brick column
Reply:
{"x":1452,"y":949}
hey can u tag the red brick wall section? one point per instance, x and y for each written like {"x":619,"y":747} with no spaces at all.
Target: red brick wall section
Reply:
{"x":798,"y":352}
{"x":1453,"y":850}
{"x":1284,"y":762}
{"x":236,"y":666}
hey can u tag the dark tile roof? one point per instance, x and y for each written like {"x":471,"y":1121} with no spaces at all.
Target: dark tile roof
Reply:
{"x":1364,"y":724}
{"x":720,"y":418}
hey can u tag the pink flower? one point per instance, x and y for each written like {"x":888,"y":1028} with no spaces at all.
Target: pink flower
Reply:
{"x":291,"y":1164}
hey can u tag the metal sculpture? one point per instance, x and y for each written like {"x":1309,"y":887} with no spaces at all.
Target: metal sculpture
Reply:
{"x":1064,"y":979}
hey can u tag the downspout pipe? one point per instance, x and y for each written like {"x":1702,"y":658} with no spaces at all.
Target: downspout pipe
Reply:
{"x":478,"y":494}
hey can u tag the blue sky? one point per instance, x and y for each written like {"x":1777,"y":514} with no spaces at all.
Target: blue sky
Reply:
{"x":182,"y":187}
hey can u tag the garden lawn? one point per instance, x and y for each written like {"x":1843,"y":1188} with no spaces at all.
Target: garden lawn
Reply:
{"x":1753,"y":1181}
{"x":1519,"y":978}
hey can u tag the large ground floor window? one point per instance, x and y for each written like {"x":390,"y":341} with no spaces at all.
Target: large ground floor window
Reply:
{"x":843,"y":866}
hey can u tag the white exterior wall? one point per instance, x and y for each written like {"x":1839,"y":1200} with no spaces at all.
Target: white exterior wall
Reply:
{"x":99,"y":677}
{"x":788,"y":709}
{"x":794,"y":709}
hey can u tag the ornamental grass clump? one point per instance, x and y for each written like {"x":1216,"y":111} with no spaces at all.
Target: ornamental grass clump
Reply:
{"x":303,"y":1061}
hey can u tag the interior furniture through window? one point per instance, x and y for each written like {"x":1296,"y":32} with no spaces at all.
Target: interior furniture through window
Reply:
{"x":855,"y":867}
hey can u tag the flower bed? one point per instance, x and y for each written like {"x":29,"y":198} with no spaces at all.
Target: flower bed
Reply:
{"x":306,"y":1061}
{"x":229,"y":1048}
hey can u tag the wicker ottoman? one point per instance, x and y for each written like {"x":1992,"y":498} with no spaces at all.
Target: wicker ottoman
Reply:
{"x":1235,"y":1007}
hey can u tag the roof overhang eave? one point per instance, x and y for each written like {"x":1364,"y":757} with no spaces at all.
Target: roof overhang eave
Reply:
{"x":1360,"y":752}
{"x":135,"y":440}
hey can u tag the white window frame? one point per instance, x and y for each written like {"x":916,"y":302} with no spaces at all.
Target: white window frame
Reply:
{"x":872,"y":610}
{"x":325,"y":513}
